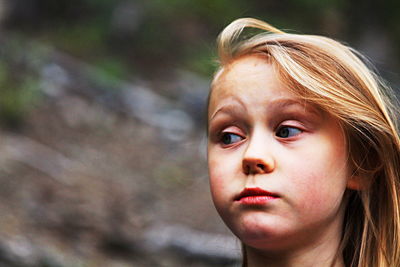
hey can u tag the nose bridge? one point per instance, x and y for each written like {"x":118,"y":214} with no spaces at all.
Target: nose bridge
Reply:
{"x":258,"y":156}
{"x":258,"y":143}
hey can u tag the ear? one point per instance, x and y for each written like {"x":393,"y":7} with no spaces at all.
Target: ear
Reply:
{"x":354,"y":183}
{"x":357,"y":182}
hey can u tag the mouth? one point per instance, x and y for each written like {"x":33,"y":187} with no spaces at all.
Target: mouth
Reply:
{"x":255,"y":196}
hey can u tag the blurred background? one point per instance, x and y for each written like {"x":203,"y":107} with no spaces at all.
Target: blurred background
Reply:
{"x":102,"y":107}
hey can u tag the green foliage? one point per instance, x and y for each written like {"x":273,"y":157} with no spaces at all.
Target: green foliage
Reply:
{"x":85,"y":40}
{"x":201,"y":59}
{"x":112,"y":67}
{"x":109,"y":72}
{"x":17,"y":96}
{"x":168,"y":34}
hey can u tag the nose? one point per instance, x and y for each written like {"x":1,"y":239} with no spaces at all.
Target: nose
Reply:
{"x":257,"y":166}
{"x":258,"y":157}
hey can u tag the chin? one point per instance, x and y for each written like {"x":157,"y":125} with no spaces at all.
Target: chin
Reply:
{"x":262,"y":233}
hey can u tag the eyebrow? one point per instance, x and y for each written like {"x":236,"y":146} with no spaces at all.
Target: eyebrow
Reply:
{"x":287,"y":102}
{"x":284,"y":105}
{"x":231,"y":108}
{"x":278,"y":103}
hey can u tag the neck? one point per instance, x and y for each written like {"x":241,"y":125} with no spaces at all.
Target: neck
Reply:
{"x":317,"y":256}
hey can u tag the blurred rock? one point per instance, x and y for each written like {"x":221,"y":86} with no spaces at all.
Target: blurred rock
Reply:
{"x":20,"y":252}
{"x":50,"y":162}
{"x":192,"y":243}
{"x":151,"y":108}
{"x":79,"y":113}
{"x":135,"y":100}
{"x":54,"y":80}
{"x":194,"y":92}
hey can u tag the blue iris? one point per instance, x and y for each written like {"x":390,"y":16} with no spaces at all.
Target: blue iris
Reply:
{"x":230,"y":138}
{"x":286,"y":132}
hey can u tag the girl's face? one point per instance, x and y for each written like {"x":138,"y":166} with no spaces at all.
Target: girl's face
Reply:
{"x":278,"y":166}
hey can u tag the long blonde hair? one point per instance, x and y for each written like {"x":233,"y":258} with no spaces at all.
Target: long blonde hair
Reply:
{"x":334,"y":77}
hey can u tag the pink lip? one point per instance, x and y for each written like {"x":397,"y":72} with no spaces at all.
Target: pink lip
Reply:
{"x":255,"y":196}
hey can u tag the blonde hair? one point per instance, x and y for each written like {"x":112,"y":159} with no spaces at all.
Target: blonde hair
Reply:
{"x":334,"y":77}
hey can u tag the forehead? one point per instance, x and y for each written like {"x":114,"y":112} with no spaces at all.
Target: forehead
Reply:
{"x":248,"y":77}
{"x":244,"y":68}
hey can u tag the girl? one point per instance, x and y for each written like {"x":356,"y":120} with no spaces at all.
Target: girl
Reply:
{"x":303,"y":151}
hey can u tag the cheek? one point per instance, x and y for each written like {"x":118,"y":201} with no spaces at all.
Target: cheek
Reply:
{"x":324,"y":169}
{"x":219,"y":178}
{"x":319,"y":176}
{"x":319,"y":188}
{"x":223,"y":173}
{"x":222,"y":166}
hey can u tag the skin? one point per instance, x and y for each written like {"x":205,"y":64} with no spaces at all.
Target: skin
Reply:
{"x":262,"y":135}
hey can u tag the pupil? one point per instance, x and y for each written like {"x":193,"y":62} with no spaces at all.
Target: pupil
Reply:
{"x":227,"y":139}
{"x":284,"y":132}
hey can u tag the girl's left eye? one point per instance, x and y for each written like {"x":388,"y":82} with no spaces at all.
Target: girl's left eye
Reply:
{"x":287,"y":131}
{"x":230,"y":138}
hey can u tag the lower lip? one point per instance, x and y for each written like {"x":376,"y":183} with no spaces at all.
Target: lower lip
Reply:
{"x":256,"y":200}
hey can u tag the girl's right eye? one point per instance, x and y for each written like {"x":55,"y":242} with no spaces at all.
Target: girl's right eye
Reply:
{"x":230,"y":138}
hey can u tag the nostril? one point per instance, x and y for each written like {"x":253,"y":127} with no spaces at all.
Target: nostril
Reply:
{"x":247,"y":169}
{"x":261,"y":166}
{"x":256,"y":166}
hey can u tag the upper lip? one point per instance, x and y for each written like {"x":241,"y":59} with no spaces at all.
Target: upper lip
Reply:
{"x":254,"y":191}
